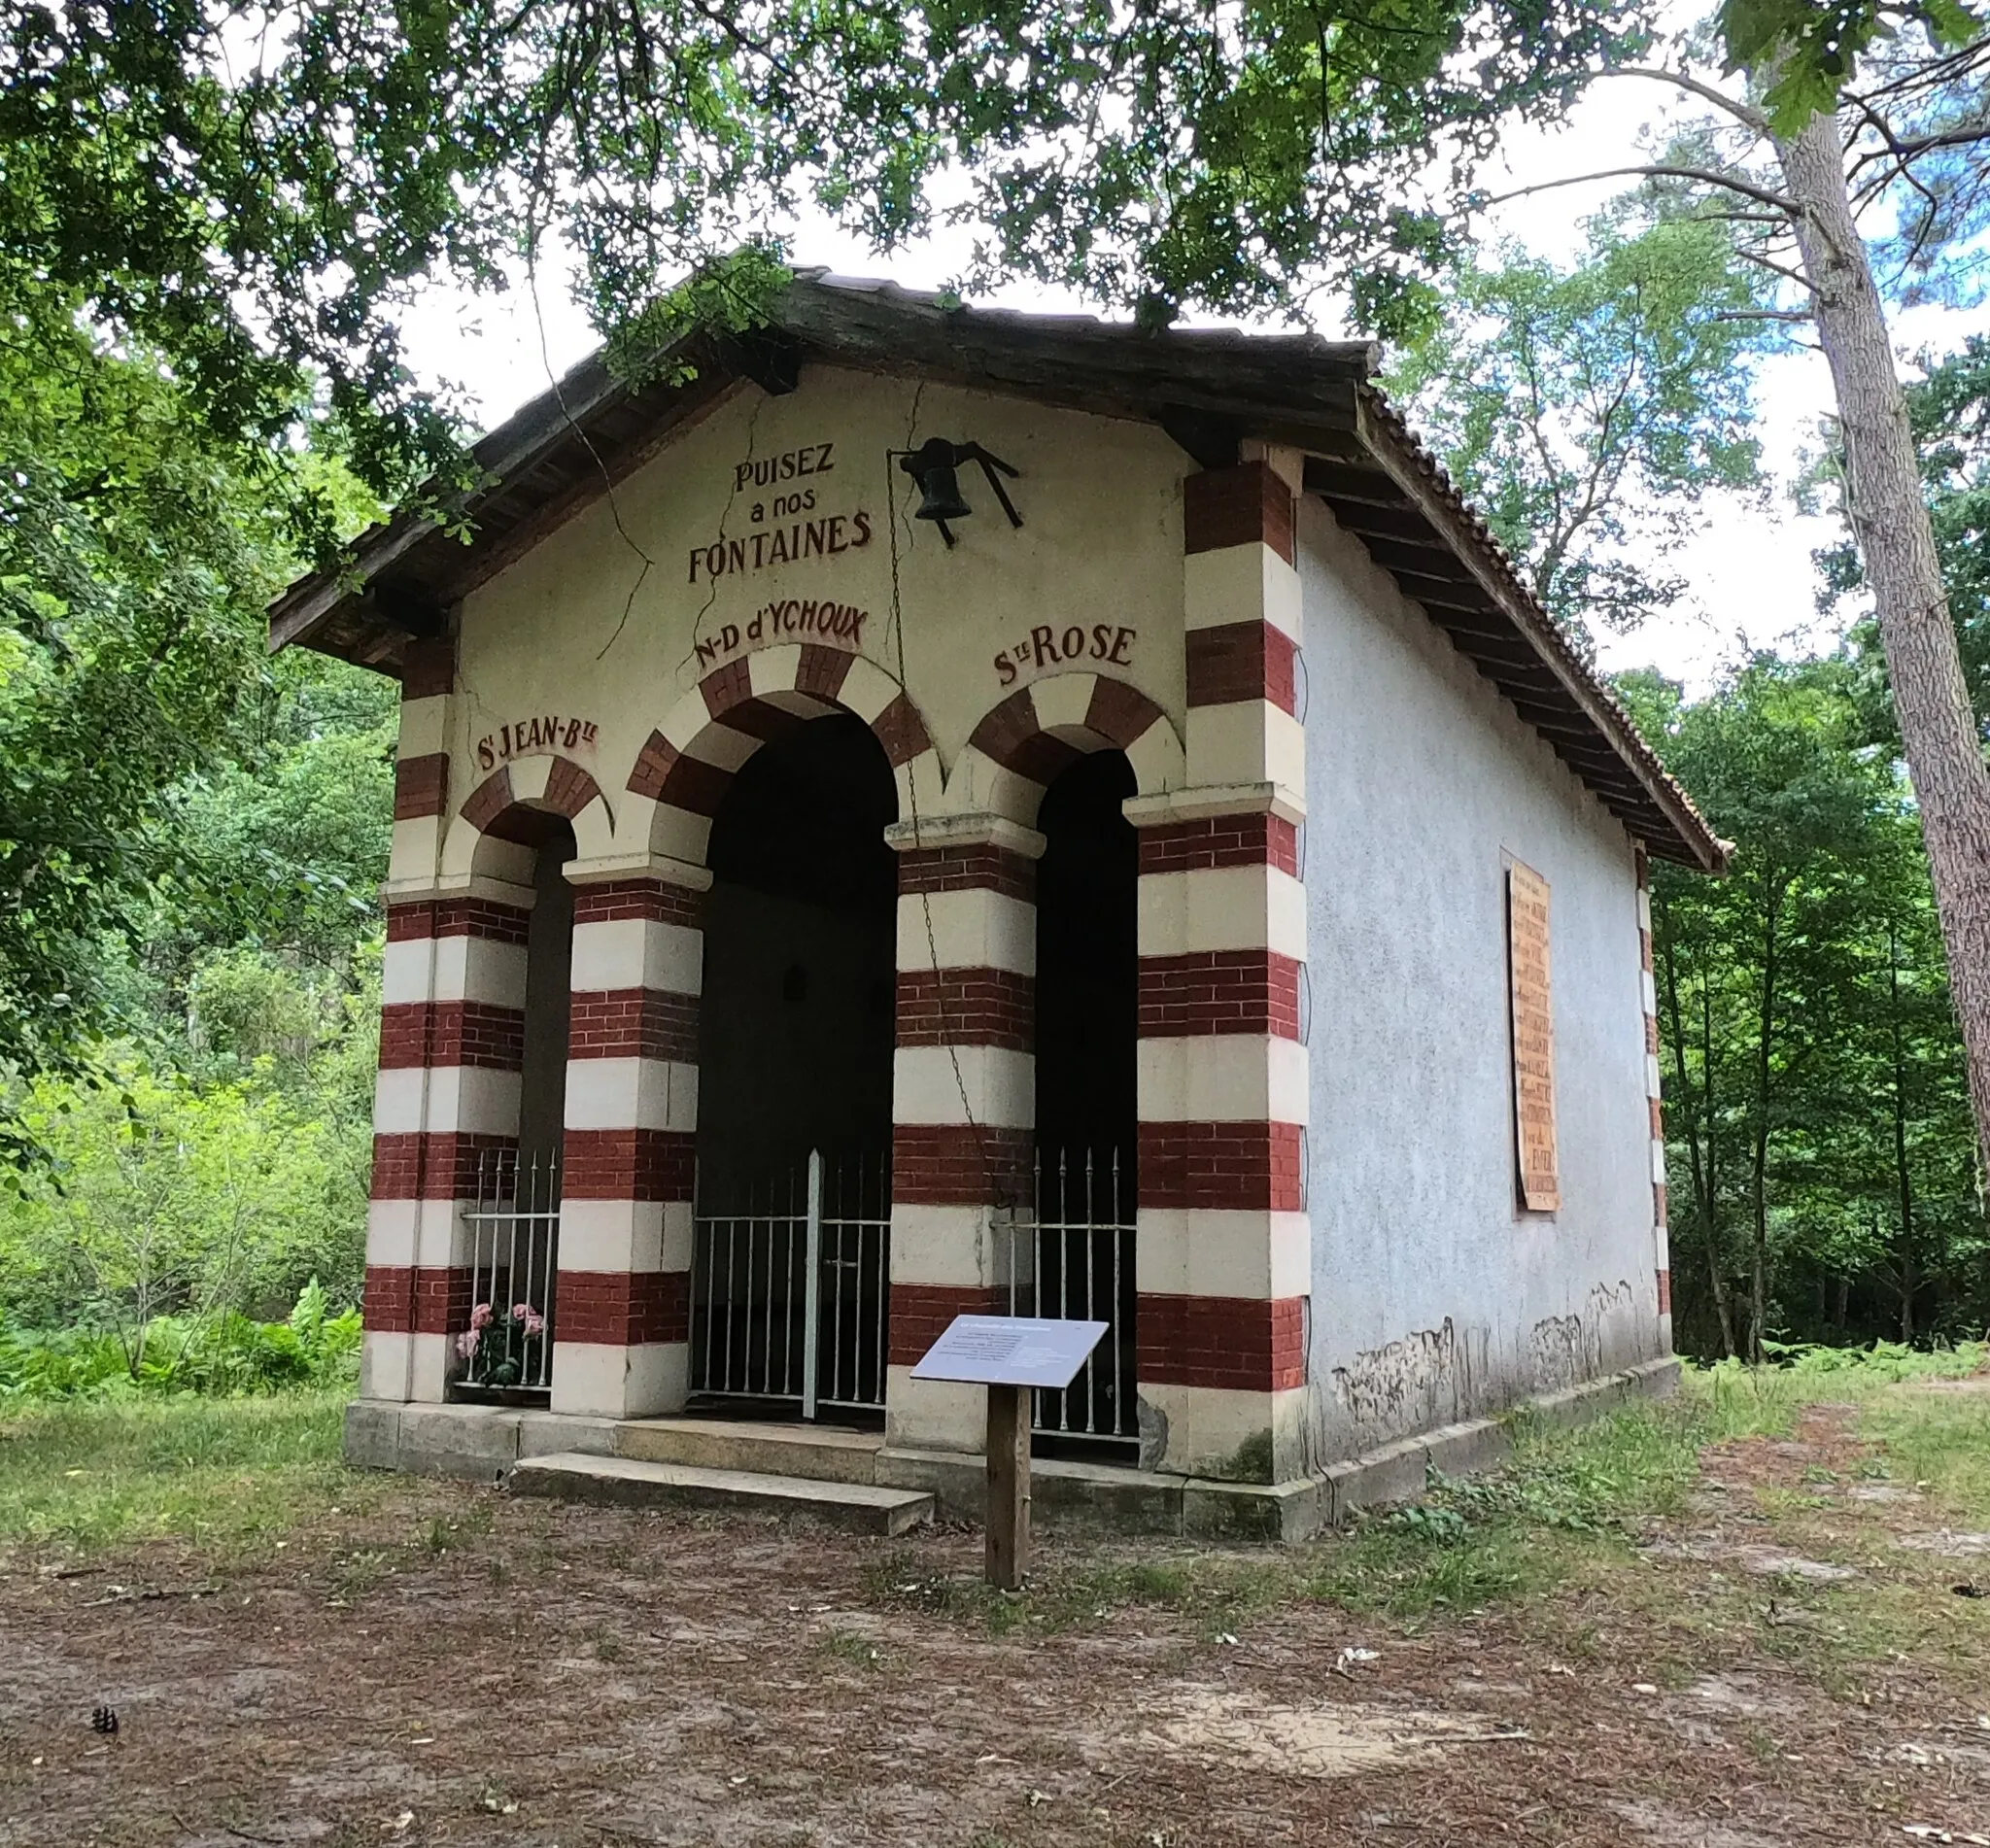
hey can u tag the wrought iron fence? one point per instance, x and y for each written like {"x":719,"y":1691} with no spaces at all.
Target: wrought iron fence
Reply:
{"x":1074,"y":1261}
{"x":791,"y":1280}
{"x":514,"y":1233}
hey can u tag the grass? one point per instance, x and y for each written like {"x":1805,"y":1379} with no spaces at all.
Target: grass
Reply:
{"x":1567,"y":1504}
{"x":221,"y":1472}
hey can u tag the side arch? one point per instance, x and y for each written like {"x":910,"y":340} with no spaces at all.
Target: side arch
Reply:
{"x":691,"y":759}
{"x":514,"y":806}
{"x":1017,"y":751}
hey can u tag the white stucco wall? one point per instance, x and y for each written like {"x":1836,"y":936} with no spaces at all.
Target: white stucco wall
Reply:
{"x":601,"y":619}
{"x":1435,"y":1297}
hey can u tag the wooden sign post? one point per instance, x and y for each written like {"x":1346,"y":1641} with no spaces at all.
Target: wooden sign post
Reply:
{"x":1012,"y":1356}
{"x":1007,"y":1513}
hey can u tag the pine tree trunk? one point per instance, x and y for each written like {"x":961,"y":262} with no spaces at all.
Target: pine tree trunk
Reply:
{"x":1765,"y":1046}
{"x":1897,"y":544}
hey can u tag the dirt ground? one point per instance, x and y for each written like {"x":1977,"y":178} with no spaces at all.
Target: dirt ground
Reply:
{"x":1785,"y":1660}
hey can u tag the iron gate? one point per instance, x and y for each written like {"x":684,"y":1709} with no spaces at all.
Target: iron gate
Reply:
{"x":506,"y":1343}
{"x":1074,"y":1261}
{"x":791,"y":1280}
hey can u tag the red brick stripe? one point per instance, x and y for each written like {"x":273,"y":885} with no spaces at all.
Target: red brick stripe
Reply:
{"x":427,"y":668}
{"x":410,"y":920}
{"x":822,"y":671}
{"x":488,"y":801}
{"x":1664,"y":1292}
{"x":1119,"y":713}
{"x":420,"y":786}
{"x":921,"y":1313}
{"x":1237,"y":1343}
{"x":967,"y":1007}
{"x":633,"y":1023}
{"x":1247,"y":505}
{"x":656,"y":900}
{"x":727,"y":686}
{"x":400,"y":1300}
{"x":1233,"y":1166}
{"x":653,"y":765}
{"x":431,"y":1032}
{"x":1241,"y":661}
{"x":568,"y":788}
{"x":1219,"y":991}
{"x":900,"y":731}
{"x":630,"y":1164}
{"x":1221,"y":841}
{"x":1013,"y":736}
{"x":622,"y":1309}
{"x":958,"y":1165}
{"x":984,"y":867}
{"x":431,"y":1164}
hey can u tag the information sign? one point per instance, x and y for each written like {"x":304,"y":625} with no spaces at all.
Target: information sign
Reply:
{"x":1018,"y":1350}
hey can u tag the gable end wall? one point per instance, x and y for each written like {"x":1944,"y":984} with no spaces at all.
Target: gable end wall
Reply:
{"x":1435,"y":1297}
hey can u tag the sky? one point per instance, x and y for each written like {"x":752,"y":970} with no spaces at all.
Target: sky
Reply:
{"x":1752,"y":581}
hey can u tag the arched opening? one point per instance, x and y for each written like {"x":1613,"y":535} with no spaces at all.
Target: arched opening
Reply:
{"x":1087,"y":1111}
{"x":789,"y":1275}
{"x":513,"y":1224}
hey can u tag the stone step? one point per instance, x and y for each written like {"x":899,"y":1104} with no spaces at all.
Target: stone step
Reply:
{"x":817,"y":1452}
{"x":631,"y":1483}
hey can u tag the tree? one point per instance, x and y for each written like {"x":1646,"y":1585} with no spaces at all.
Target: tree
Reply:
{"x":1587,"y":411}
{"x":1950,"y":411}
{"x":1851,"y":106}
{"x":251,"y":192}
{"x":1819,"y":1138}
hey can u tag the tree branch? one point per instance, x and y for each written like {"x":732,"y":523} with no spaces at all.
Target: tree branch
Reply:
{"x":1662,"y":170}
{"x":1751,"y":119}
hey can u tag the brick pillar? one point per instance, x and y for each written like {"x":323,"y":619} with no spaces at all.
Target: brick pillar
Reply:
{"x":1661,"y":1252}
{"x":451,"y":1041}
{"x":1224,"y":1246}
{"x":622,"y":1308}
{"x":963,"y":1099}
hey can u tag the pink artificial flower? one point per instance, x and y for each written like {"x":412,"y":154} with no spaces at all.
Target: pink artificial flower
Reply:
{"x":466,"y":1344}
{"x":535,"y":1323}
{"x":481,"y":1317}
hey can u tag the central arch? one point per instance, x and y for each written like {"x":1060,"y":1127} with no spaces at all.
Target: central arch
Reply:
{"x":781,"y":777}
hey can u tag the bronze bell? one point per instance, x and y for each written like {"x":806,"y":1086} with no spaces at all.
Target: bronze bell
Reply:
{"x":931,"y":466}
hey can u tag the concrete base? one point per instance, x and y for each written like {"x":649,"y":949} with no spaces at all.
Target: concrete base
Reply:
{"x":492,"y":1443}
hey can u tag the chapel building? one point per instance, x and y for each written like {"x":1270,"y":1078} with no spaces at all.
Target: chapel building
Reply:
{"x":925,"y":811}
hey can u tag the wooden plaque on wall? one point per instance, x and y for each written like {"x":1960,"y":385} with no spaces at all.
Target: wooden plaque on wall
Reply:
{"x":1533,"y":1038}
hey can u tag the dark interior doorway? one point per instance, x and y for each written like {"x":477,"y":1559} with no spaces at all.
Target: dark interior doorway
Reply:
{"x":795,"y":1061}
{"x":513,"y":1219}
{"x":1087,"y":1105}
{"x":1088,"y":967}
{"x":548,"y":1002}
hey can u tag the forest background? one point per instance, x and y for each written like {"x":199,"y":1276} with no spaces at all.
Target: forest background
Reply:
{"x":191,"y":834}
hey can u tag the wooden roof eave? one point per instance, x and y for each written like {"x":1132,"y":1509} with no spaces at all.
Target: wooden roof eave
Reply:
{"x":1670,"y":824}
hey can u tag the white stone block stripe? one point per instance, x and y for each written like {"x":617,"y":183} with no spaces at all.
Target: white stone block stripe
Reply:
{"x":990,"y":1085}
{"x":1220,"y":586}
{"x":467,"y":1100}
{"x":1257,"y":1255}
{"x":1215,"y":908}
{"x":1243,"y":1078}
{"x":637,"y":952}
{"x":1245,"y":742}
{"x":632,"y":1093}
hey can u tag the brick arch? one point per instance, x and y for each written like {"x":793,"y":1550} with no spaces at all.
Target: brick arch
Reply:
{"x":504,"y":805}
{"x":690,"y":761}
{"x":1041,"y":729}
